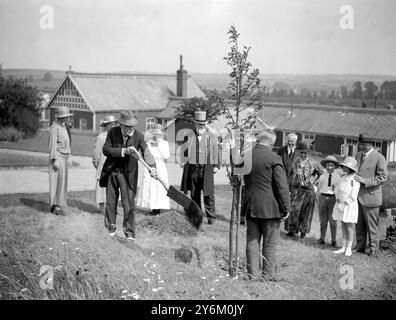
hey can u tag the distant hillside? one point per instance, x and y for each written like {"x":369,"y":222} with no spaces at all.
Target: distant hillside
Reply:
{"x":219,"y":81}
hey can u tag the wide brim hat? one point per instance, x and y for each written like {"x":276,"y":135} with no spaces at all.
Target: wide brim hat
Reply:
{"x":108,"y":119}
{"x":329,"y":159}
{"x":200,"y":117}
{"x":127,"y":118}
{"x":350,"y":163}
{"x":62,"y":112}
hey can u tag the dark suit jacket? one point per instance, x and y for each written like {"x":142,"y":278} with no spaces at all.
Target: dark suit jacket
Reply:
{"x":208,"y":175}
{"x":266,"y":189}
{"x":374,"y":172}
{"x":288,"y":161}
{"x":127,"y":164}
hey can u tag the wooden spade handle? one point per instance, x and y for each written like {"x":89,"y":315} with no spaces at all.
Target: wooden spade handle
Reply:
{"x":140,"y":158}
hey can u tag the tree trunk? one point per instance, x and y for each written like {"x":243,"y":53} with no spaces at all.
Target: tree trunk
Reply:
{"x":231,"y":235}
{"x":238,"y":219}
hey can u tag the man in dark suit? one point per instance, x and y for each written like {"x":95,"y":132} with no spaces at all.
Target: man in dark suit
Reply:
{"x":200,"y":163}
{"x":120,"y":171}
{"x":266,"y":202}
{"x":372,"y":173}
{"x":289,"y":154}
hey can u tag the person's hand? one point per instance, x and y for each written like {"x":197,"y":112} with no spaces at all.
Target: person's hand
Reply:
{"x":341,"y":206}
{"x":358,"y":179}
{"x":215,"y":169}
{"x":133,"y":152}
{"x":55,"y":165}
{"x":70,"y":162}
{"x":154,"y":173}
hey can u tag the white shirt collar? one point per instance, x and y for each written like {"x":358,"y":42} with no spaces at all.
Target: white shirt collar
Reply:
{"x":368,"y":152}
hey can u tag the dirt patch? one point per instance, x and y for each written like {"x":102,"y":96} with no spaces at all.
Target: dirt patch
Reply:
{"x":171,"y":222}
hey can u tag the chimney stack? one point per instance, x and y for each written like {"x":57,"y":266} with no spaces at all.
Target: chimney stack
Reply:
{"x":181,"y":80}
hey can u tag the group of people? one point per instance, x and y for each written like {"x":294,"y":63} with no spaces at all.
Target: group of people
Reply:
{"x":283,"y":186}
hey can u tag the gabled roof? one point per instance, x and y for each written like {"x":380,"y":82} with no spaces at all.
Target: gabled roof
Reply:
{"x":337,"y":121}
{"x":138,"y":92}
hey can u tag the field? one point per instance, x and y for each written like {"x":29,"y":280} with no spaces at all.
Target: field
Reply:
{"x":88,"y":264}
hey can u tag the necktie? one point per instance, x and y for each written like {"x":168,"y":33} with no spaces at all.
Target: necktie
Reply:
{"x":329,"y":183}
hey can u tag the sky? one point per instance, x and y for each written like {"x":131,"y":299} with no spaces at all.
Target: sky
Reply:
{"x":285,"y":36}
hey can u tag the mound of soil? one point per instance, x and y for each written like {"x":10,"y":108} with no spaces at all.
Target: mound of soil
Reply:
{"x":170,"y":222}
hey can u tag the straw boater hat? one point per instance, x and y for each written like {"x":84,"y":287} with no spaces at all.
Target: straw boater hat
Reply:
{"x":127,"y":118}
{"x":108,"y":119}
{"x":200,"y":117}
{"x":329,"y":159}
{"x":156,"y":130}
{"x":62,"y":112}
{"x":350,"y":163}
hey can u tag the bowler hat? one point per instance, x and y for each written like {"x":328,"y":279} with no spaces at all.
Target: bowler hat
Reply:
{"x":350,"y":163}
{"x":127,"y":118}
{"x":107,"y":119}
{"x":62,"y":112}
{"x":302,"y":146}
{"x":200,"y":117}
{"x":329,"y":159}
{"x":365,"y":138}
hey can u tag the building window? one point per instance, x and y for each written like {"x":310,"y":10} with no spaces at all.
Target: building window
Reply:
{"x":377,"y":145}
{"x":150,"y":122}
{"x":308,"y":136}
{"x":352,"y":141}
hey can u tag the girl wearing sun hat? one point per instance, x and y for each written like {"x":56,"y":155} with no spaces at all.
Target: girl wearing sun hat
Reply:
{"x":346,"y":208}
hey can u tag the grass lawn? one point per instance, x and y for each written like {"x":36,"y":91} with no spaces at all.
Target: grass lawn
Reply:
{"x":82,"y":144}
{"x":89,"y":264}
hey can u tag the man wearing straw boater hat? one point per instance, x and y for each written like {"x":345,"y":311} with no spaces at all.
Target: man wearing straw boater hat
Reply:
{"x":98,"y":158}
{"x":372,"y":173}
{"x":120,"y":171}
{"x":200,"y":166}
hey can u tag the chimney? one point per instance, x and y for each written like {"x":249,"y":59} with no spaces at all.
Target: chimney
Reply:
{"x":181,"y":80}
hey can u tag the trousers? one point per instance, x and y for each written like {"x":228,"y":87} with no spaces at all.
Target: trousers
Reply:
{"x":196,"y":188}
{"x":326,"y":205}
{"x":116,"y":184}
{"x":267,"y":230}
{"x":367,"y":228}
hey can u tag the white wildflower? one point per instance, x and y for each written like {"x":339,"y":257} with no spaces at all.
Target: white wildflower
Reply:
{"x":179,"y":273}
{"x":146,"y":280}
{"x":135,"y":296}
{"x":24,"y":289}
{"x":161,"y":281}
{"x":155,"y":289}
{"x":100,"y":291}
{"x":124,"y":291}
{"x":203,"y":278}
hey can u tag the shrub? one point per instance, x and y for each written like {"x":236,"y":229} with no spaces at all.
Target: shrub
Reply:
{"x":10,"y":134}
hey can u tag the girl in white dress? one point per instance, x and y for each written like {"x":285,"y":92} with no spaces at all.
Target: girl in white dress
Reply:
{"x":151,"y":194}
{"x":346,"y":208}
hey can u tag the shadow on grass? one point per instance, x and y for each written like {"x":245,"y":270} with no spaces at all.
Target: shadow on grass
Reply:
{"x":83,"y":206}
{"x":36,"y":204}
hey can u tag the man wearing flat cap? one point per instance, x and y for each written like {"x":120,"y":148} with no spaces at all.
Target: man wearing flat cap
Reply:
{"x":120,"y":171}
{"x":372,"y":173}
{"x":98,"y":158}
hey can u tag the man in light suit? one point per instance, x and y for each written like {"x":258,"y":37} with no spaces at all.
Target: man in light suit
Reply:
{"x":266,"y":202}
{"x":372,"y":173}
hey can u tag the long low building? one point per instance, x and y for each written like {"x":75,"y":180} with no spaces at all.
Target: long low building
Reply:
{"x":333,"y":130}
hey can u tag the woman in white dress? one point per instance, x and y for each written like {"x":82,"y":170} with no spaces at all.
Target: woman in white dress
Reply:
{"x":346,"y":208}
{"x":151,"y":194}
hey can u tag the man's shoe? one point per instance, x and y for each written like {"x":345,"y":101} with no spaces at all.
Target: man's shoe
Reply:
{"x":320,"y":241}
{"x":112,"y":234}
{"x":303,"y":235}
{"x":374,"y":253}
{"x":334,"y":244}
{"x":130,"y":238}
{"x":290,"y":234}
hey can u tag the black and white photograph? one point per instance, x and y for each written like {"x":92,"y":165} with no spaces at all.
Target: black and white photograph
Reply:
{"x":217,"y":151}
